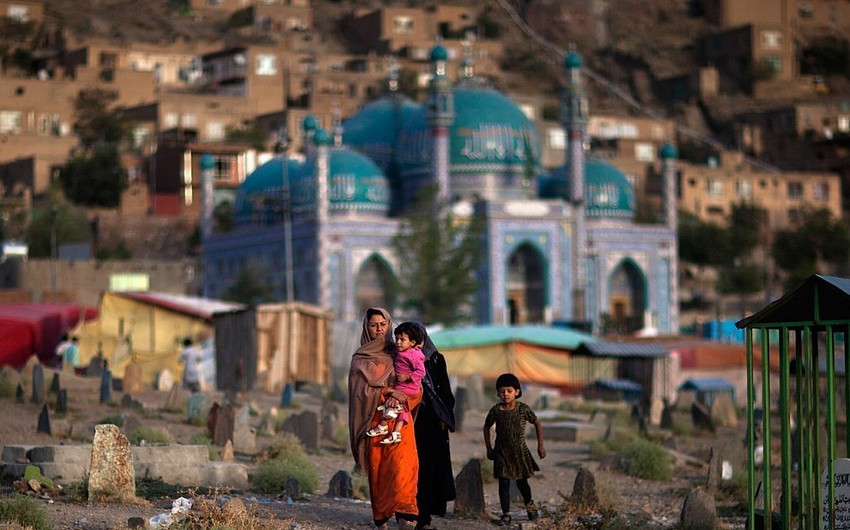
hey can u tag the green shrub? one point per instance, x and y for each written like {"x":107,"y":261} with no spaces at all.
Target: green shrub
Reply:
{"x":647,"y":460}
{"x":271,"y":475}
{"x":114,"y":419}
{"x":7,"y":387}
{"x":286,"y":444}
{"x":151,"y":436}
{"x":487,"y":475}
{"x":341,"y":435}
{"x":25,"y":511}
{"x":736,"y":487}
{"x":204,"y":438}
{"x":616,"y":443}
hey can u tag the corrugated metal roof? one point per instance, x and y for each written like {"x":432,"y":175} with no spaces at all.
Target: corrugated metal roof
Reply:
{"x":707,"y":385}
{"x":621,"y":349}
{"x":489,"y":335}
{"x":818,"y":299}
{"x":191,"y":305}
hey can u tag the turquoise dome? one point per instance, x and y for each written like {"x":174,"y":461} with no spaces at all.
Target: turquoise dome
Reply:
{"x":321,"y":137}
{"x":355,"y":184}
{"x":439,"y":53}
{"x":668,"y":151}
{"x":260,"y":193}
{"x":375,"y":129}
{"x":608,"y":194}
{"x":310,"y":123}
{"x":572,"y":60}
{"x":490,"y":135}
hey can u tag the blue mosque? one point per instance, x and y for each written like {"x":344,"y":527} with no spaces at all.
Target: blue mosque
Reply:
{"x":560,"y":245}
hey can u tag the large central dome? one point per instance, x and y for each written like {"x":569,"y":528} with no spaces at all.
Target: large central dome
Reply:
{"x":608,"y":194}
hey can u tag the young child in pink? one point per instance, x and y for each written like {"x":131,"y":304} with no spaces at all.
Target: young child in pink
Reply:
{"x":409,"y":364}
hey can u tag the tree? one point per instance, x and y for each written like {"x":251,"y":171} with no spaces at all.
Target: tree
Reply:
{"x":67,"y":223}
{"x":94,"y":122}
{"x":95,"y":178}
{"x":247,"y":287}
{"x":439,"y":255}
{"x":816,"y":241}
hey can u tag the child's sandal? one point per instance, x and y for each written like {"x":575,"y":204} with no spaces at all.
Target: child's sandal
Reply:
{"x":379,"y":430}
{"x":393,"y":438}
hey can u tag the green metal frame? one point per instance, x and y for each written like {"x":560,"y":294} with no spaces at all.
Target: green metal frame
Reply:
{"x":813,"y":393}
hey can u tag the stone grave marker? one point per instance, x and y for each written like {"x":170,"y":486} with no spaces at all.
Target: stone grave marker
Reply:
{"x":699,"y":511}
{"x":286,"y":395}
{"x":132,"y":382}
{"x":62,"y":401}
{"x":470,"y":491}
{"x":44,"y":421}
{"x":268,"y":422}
{"x":341,"y":485}
{"x":723,"y":411}
{"x":841,"y":490}
{"x":198,"y":408}
{"x":37,"y":384}
{"x":165,"y":381}
{"x":244,"y":436}
{"x":584,"y":489}
{"x":173,"y":400}
{"x":227,"y":452}
{"x":19,"y":393}
{"x":701,"y":417}
{"x":111,"y":473}
{"x":106,"y":386}
{"x":222,"y":430}
{"x":54,"y":384}
{"x":666,"y":415}
{"x":305,"y":426}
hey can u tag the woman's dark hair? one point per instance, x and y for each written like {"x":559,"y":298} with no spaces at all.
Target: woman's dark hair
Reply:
{"x":372,"y":312}
{"x":187,"y":341}
{"x":413,"y":332}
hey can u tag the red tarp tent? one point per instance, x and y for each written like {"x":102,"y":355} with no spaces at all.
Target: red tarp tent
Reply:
{"x":39,"y":325}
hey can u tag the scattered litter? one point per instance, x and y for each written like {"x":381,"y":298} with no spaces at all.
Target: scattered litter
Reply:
{"x":179,"y":509}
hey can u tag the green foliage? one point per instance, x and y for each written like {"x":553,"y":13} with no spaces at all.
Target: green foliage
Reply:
{"x":408,"y":83}
{"x":487,"y":475}
{"x":156,"y":488}
{"x":241,"y":18}
{"x":341,"y":435}
{"x":646,"y":212}
{"x":94,"y":123}
{"x":95,"y":177}
{"x":69,"y":223}
{"x":271,"y":475}
{"x":287,"y":444}
{"x":118,"y":251}
{"x":736,"y":487}
{"x":151,"y":436}
{"x":255,"y":136}
{"x":247,"y":288}
{"x":181,"y":6}
{"x":489,"y":28}
{"x":25,"y":511}
{"x":816,"y":240}
{"x":7,"y":387}
{"x":114,"y":419}
{"x":693,"y":233}
{"x":647,"y":460}
{"x":617,"y":443}
{"x":438,"y":257}
{"x":204,"y":438}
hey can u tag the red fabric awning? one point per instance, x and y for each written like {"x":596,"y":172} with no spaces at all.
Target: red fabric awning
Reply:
{"x":46,"y":323}
{"x":15,"y":344}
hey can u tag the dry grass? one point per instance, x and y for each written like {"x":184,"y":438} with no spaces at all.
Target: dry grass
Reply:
{"x":219,"y":512}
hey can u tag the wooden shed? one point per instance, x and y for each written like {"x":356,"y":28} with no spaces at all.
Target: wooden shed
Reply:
{"x":293,"y":345}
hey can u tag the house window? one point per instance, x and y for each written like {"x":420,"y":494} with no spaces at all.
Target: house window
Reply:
{"x":221,"y":168}
{"x":795,"y":190}
{"x":10,"y":121}
{"x":266,"y":64}
{"x":557,"y":138}
{"x":771,"y":40}
{"x":843,"y":123}
{"x":714,"y":187}
{"x":820,"y":191}
{"x":744,"y":189}
{"x":18,"y":12}
{"x":403,"y":24}
{"x":215,"y":131}
{"x":48,"y":124}
{"x":189,"y":121}
{"x":170,"y":120}
{"x":645,"y":152}
{"x":773,"y":63}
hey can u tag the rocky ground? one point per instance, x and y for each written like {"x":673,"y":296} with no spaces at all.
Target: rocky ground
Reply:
{"x":648,"y":504}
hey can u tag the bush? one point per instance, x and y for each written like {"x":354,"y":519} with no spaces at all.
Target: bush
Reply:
{"x":24,"y":511}
{"x":647,"y":460}
{"x":203,"y":438}
{"x":285,"y":445}
{"x":615,"y":444}
{"x":7,"y":387}
{"x":271,"y":475}
{"x":487,"y":475}
{"x":151,"y":436}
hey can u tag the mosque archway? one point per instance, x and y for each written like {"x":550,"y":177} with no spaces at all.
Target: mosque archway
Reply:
{"x":373,"y":285}
{"x":526,"y":296}
{"x":627,"y":298}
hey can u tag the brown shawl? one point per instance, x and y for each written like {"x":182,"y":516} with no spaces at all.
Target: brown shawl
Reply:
{"x":371,"y":371}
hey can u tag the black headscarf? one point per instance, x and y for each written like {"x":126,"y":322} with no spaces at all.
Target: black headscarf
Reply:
{"x":441,"y":400}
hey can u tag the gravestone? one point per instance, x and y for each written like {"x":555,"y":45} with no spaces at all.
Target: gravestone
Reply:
{"x":128,"y":402}
{"x":712,"y":479}
{"x":165,"y":381}
{"x":198,"y":408}
{"x":723,"y":411}
{"x":656,"y":407}
{"x":584,"y":489}
{"x":111,"y":473}
{"x":131,"y":423}
{"x":222,"y":429}
{"x":62,"y":401}
{"x":44,"y":421}
{"x":19,"y":393}
{"x":701,"y":417}
{"x":292,"y":488}
{"x":268,"y":422}
{"x":841,"y":485}
{"x":173,"y":399}
{"x":666,"y":415}
{"x":244,"y":436}
{"x":305,"y":427}
{"x":227,"y":452}
{"x":106,"y":386}
{"x":37,"y":384}
{"x":54,"y":384}
{"x":699,"y":511}
{"x":132,"y":382}
{"x":95,"y":367}
{"x":460,"y":407}
{"x":341,"y":485}
{"x":469,"y":486}
{"x":286,"y":396}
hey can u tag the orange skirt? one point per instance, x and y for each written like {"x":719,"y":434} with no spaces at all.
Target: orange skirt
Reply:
{"x":394,"y":471}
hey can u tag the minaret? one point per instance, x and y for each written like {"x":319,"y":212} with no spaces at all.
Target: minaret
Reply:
{"x":322,"y":141}
{"x":668,"y":181}
{"x":337,"y":125}
{"x":207,"y":163}
{"x":441,"y":115}
{"x":574,"y":113}
{"x":308,"y":126}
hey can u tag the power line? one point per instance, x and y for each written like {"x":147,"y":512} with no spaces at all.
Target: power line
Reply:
{"x":617,"y":91}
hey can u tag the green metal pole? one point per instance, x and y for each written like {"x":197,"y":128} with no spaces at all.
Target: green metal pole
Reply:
{"x":751,"y":443}
{"x":830,"y":420}
{"x":846,"y":396}
{"x":814,"y":427}
{"x":802,"y":484}
{"x":785,"y":415}
{"x":765,"y":438}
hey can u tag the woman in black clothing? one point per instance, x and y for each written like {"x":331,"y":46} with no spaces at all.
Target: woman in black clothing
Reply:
{"x":434,"y":420}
